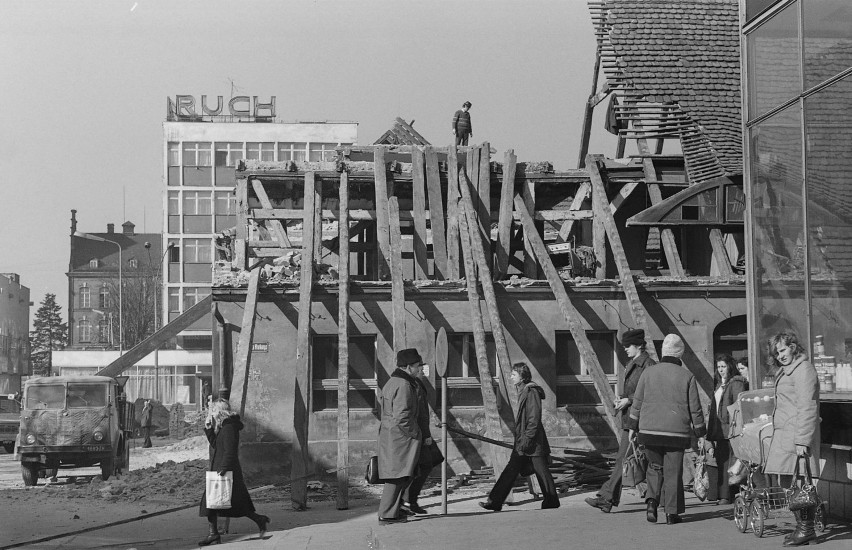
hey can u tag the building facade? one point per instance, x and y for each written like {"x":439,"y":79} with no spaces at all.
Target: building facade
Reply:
{"x":14,"y":332}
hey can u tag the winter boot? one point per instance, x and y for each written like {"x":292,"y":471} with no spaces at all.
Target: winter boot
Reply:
{"x":805,"y":532}
{"x":213,"y":536}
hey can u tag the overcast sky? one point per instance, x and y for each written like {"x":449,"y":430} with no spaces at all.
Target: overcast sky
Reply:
{"x":83,"y":88}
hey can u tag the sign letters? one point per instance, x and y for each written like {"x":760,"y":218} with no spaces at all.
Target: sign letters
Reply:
{"x":184,"y":106}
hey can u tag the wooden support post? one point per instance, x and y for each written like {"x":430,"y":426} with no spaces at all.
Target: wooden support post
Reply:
{"x":637,"y":310}
{"x":239,"y":382}
{"x":343,"y":348}
{"x":241,"y":234}
{"x":483,"y":210}
{"x":577,"y":203}
{"x":589,"y":112}
{"x":720,"y":254}
{"x":397,"y":284}
{"x":418,"y":190}
{"x":504,"y":363}
{"x":622,"y":195}
{"x":220,"y":370}
{"x":301,"y":401}
{"x":598,"y":232}
{"x":530,"y":264}
{"x":436,"y":214}
{"x":277,"y":228}
{"x":493,"y":425}
{"x":453,"y":256}
{"x":382,"y":194}
{"x":317,"y":220}
{"x":572,"y":317}
{"x":504,"y":223}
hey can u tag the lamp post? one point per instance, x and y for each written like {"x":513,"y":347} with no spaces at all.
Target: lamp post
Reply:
{"x":120,"y":285}
{"x":156,"y":314}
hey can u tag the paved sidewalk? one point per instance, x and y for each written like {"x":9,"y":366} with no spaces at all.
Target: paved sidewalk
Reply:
{"x":467,"y":527}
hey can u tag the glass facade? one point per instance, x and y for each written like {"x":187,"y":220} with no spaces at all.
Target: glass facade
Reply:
{"x":798,"y":62}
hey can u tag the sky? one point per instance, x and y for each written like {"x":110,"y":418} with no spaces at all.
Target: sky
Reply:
{"x":83,"y":88}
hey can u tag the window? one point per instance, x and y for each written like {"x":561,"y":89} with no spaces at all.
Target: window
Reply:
{"x":260,"y":151}
{"x":133,"y":262}
{"x":197,"y":251}
{"x":103,"y":331}
{"x":85,"y":296}
{"x":174,"y":251}
{"x":291,"y":151}
{"x":84,"y":330}
{"x":574,"y":385}
{"x":193,"y":295}
{"x":323,"y":151}
{"x":93,"y":263}
{"x":463,"y":386}
{"x":226,"y":203}
{"x":197,"y":203}
{"x":197,"y":154}
{"x":81,"y":396}
{"x":174,"y":154}
{"x":362,"y":372}
{"x":174,"y":203}
{"x":174,"y":300}
{"x":228,"y":154}
{"x":103,"y":297}
{"x":45,"y":397}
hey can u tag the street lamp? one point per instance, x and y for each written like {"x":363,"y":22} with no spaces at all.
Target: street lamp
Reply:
{"x":120,"y":285}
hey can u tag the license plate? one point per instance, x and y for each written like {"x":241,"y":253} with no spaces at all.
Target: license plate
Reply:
{"x":95,"y":447}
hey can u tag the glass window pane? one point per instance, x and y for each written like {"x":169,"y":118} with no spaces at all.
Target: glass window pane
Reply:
{"x":173,"y":202}
{"x":773,"y":61}
{"x":567,"y":355}
{"x":45,"y":397}
{"x":174,"y":154}
{"x":734,"y":203}
{"x":754,"y":7}
{"x":190,"y":157}
{"x":778,"y":240}
{"x":828,"y":123}
{"x":828,"y":39}
{"x":87,"y":395}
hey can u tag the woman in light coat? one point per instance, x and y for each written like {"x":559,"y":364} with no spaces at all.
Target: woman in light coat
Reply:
{"x":795,"y":423}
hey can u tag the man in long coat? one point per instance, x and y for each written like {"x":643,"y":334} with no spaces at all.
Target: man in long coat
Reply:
{"x":399,"y":434}
{"x":430,"y":455}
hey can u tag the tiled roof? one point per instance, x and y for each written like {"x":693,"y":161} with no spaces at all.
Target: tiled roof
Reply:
{"x":401,"y":133}
{"x":132,"y":247}
{"x":679,"y":61}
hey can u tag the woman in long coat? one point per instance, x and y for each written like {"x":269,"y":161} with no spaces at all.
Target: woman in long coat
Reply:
{"x":795,"y":423}
{"x":222,"y":428}
{"x":729,"y":384}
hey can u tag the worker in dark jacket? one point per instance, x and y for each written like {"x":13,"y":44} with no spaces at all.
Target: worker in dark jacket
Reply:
{"x":147,"y":414}
{"x":222,"y":428}
{"x":667,"y":412}
{"x":462,"y":127}
{"x":634,"y":344}
{"x":531,"y":450}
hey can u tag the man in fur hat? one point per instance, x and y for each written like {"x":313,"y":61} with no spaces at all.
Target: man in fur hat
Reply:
{"x":634,"y":345}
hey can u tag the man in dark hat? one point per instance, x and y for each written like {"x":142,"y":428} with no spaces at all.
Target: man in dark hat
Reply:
{"x":634,"y":345}
{"x":399,"y":434}
{"x":462,"y":127}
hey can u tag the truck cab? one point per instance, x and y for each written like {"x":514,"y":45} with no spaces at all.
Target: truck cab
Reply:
{"x":73,"y":422}
{"x":10,"y":419}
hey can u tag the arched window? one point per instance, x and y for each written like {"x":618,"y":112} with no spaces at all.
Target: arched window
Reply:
{"x":85,"y":296}
{"x":93,"y":263}
{"x":133,"y":262}
{"x":103,"y":296}
{"x":103,"y":331}
{"x":84,"y":330}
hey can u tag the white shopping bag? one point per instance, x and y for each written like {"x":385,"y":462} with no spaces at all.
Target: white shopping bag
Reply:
{"x":218,"y":490}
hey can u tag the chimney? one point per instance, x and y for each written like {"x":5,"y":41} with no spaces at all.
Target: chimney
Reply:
{"x":73,"y":221}
{"x":110,"y":228}
{"x":128,"y":228}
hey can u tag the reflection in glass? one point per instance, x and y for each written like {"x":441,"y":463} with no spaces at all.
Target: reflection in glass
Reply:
{"x":828,"y":39}
{"x":828,"y":123}
{"x":775,"y":72}
{"x":754,"y":7}
{"x":778,"y":224}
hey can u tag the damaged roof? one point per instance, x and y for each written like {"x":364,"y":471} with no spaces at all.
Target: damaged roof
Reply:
{"x":401,"y":133}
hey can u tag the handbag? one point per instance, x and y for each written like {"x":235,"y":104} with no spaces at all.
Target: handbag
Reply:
{"x":804,"y":497}
{"x":432,"y":455}
{"x":218,"y":490}
{"x":701,"y":482}
{"x":635,"y":466}
{"x":372,"y":473}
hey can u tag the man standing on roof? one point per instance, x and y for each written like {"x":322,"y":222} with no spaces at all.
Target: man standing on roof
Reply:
{"x":462,"y":127}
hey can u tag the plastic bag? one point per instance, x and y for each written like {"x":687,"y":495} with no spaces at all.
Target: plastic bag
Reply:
{"x":635,"y":466}
{"x":218,"y":490}
{"x":701,"y":483}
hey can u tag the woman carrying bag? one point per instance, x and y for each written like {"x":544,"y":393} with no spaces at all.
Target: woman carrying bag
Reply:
{"x":222,"y":428}
{"x":729,"y":384}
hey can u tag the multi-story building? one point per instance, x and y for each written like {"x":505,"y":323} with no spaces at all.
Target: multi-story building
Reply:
{"x":14,"y":335}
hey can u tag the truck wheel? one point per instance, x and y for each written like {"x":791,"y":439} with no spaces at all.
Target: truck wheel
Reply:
{"x":29,"y":471}
{"x":107,"y":467}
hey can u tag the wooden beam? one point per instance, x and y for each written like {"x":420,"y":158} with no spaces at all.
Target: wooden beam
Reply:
{"x":241,"y":234}
{"x":586,"y":131}
{"x":453,"y":259}
{"x":483,"y":210}
{"x":637,"y":310}
{"x":405,"y":215}
{"x":317,"y":220}
{"x":530,"y":264}
{"x":302,"y":393}
{"x":504,"y":222}
{"x":397,"y":284}
{"x":436,"y":214}
{"x":160,"y":337}
{"x":720,"y":254}
{"x":576,"y":204}
{"x":572,"y":318}
{"x":276,"y":226}
{"x":418,"y":190}
{"x":598,"y":231}
{"x":382,"y":195}
{"x":622,"y":195}
{"x":242,"y":362}
{"x":343,"y":349}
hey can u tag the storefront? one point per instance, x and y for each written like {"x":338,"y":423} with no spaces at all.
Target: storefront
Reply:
{"x":797,"y":68}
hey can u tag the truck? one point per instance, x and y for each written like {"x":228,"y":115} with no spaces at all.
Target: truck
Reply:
{"x":74,"y":422}
{"x":10,"y":419}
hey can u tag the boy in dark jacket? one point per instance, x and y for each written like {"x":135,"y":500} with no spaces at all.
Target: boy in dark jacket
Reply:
{"x":462,"y":126}
{"x":532,"y":450}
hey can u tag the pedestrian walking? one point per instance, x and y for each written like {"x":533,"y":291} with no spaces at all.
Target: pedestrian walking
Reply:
{"x":146,"y":420}
{"x":796,"y":434}
{"x":400,"y":437}
{"x":430,"y":454}
{"x":667,"y":411}
{"x":222,"y":428}
{"x":634,"y":345}
{"x":531,"y":452}
{"x":462,"y":126}
{"x":729,"y":384}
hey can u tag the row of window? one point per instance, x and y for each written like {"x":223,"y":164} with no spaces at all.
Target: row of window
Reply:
{"x":86,"y":331}
{"x":202,"y":203}
{"x":201,"y":153}
{"x":95,"y":263}
{"x":84,"y":296}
